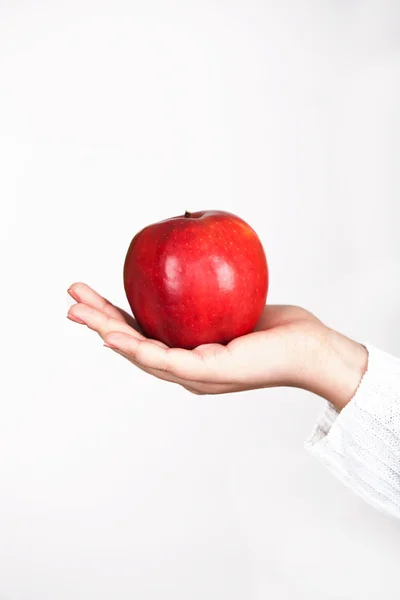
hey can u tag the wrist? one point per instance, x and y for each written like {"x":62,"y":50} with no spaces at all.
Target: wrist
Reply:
{"x":336,"y":368}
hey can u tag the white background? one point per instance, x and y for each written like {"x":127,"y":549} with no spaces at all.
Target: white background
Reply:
{"x":116,"y":114}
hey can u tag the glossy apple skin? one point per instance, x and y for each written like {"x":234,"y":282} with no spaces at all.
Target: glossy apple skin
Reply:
{"x":196,"y":279}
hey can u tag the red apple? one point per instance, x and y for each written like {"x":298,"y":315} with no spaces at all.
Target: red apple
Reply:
{"x":196,"y":279}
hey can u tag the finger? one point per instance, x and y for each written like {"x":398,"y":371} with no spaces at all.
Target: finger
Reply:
{"x":84,"y":294}
{"x":75,"y":319}
{"x":195,"y":387}
{"x":164,"y":375}
{"x":128,"y":318}
{"x":100,"y":322}
{"x":184,"y":364}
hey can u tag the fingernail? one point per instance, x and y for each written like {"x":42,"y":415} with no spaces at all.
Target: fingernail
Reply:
{"x":74,"y":295}
{"x":109,"y":346}
{"x":76,"y":319}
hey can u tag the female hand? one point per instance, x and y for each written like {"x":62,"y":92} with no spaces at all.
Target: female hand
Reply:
{"x":289,"y":347}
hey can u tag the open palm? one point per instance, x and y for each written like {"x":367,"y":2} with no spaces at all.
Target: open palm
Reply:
{"x":276,"y":353}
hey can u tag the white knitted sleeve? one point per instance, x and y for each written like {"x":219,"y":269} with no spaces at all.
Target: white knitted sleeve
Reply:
{"x":361,"y":444}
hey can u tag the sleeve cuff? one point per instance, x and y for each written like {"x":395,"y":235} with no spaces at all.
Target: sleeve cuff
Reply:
{"x":361,"y":444}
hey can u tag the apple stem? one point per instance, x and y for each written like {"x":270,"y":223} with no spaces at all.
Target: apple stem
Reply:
{"x":187,"y":214}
